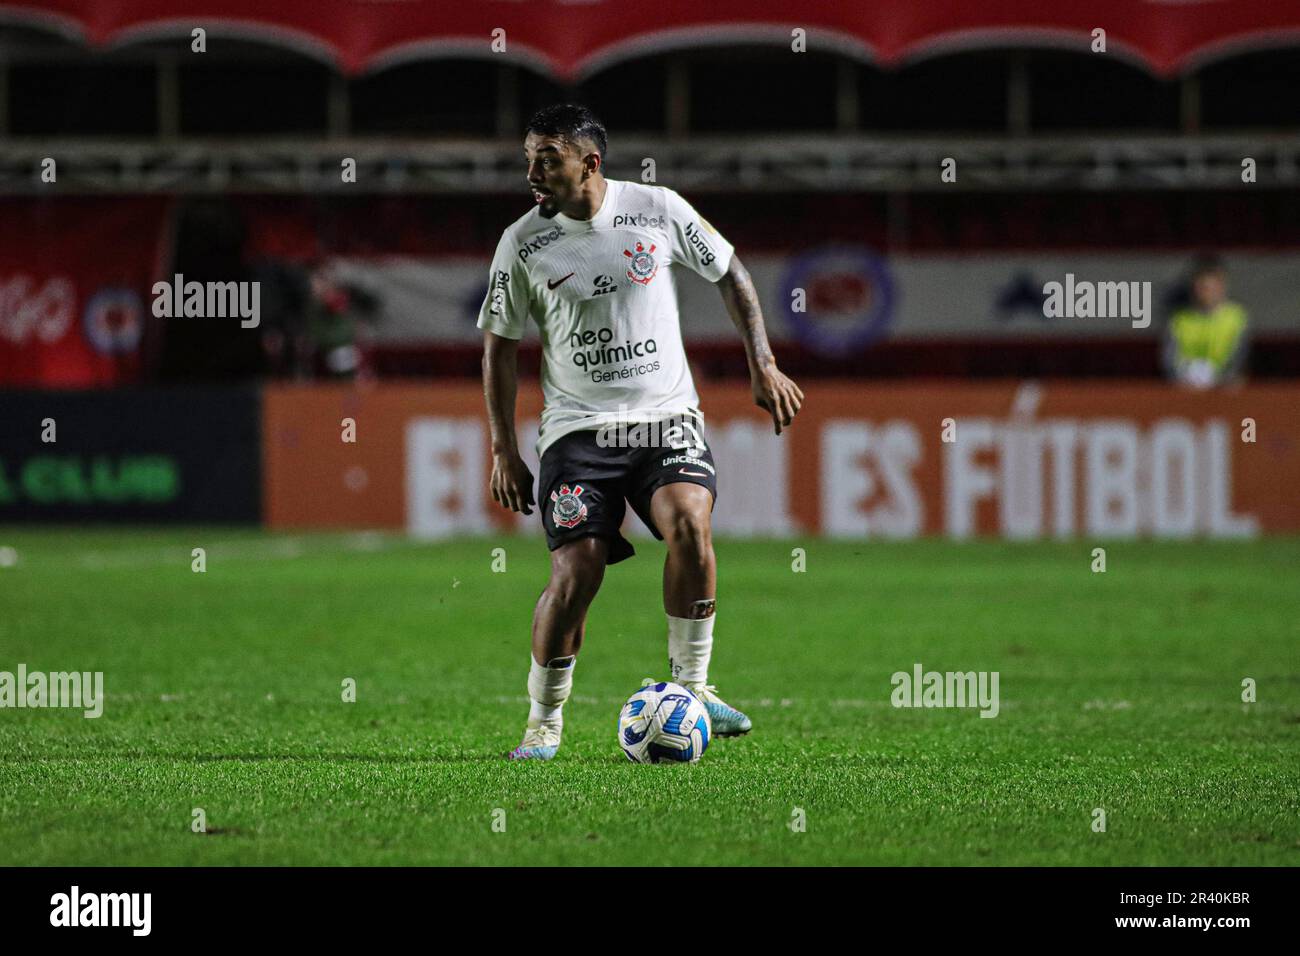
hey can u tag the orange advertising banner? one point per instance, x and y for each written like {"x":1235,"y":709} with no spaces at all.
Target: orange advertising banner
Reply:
{"x":1020,"y":460}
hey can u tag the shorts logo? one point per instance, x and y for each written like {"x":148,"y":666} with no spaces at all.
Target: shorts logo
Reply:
{"x":682,"y":435}
{"x":568,"y":512}
{"x":643,"y":266}
{"x":688,"y":460}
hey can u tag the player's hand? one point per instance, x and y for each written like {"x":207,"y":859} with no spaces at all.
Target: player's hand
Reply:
{"x":512,"y":482}
{"x":777,"y":394}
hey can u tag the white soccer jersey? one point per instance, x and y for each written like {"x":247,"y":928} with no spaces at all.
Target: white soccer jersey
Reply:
{"x":601,"y":292}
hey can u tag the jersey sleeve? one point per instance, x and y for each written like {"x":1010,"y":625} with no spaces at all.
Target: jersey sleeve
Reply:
{"x":505,"y":310}
{"x":696,"y":244}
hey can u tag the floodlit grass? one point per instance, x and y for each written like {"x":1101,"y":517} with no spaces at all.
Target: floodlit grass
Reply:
{"x":223,"y":692}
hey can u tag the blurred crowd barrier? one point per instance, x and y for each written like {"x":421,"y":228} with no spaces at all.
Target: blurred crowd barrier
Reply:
{"x":1017,"y":460}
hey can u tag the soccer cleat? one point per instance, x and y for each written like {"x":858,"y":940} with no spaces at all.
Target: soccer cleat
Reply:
{"x":726,"y":720}
{"x":541,"y":741}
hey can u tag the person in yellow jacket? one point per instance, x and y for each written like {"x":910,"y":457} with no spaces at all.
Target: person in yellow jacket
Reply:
{"x":1206,"y":342}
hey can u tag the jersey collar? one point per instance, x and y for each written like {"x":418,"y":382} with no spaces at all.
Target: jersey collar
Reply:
{"x":602,"y":217}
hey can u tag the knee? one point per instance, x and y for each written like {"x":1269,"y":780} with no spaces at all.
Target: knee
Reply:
{"x":572,"y":592}
{"x":576,"y":577}
{"x":689,"y":533}
{"x":573,"y":585}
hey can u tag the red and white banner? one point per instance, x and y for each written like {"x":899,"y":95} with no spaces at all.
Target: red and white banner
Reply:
{"x":75,"y":287}
{"x":840,"y":299}
{"x":573,"y":37}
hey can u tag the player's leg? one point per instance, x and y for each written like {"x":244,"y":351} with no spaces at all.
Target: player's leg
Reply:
{"x":559,"y":623}
{"x":681,"y":513}
{"x":577,"y":569}
{"x":580,"y":498}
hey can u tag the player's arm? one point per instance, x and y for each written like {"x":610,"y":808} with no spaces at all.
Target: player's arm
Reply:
{"x":773,"y":391}
{"x":512,"y":482}
{"x":502,"y":319}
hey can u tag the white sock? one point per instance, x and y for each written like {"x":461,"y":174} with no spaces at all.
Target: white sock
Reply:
{"x":548,"y":688}
{"x":690,"y":645}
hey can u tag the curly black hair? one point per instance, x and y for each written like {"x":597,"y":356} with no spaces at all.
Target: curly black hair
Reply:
{"x":571,"y":122}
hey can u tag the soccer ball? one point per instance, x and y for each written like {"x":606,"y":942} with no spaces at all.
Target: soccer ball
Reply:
{"x":663,"y":722}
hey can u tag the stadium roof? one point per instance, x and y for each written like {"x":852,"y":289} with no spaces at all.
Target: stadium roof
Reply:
{"x":570,"y":38}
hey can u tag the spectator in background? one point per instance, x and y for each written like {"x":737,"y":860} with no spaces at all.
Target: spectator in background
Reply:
{"x":285,"y":292}
{"x":337,"y":315}
{"x":1206,"y":342}
{"x":316,"y":323}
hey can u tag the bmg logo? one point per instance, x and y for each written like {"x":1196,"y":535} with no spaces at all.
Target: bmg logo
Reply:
{"x":701,"y":246}
{"x":499,"y":293}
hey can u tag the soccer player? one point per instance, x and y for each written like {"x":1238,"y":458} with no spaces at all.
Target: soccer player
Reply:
{"x":591,"y":263}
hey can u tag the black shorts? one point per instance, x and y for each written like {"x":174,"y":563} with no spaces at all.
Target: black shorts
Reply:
{"x":583,"y":488}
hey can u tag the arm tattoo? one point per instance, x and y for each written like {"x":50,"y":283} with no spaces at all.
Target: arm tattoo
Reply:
{"x":741,"y":299}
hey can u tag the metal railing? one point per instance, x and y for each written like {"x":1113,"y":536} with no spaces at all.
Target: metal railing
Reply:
{"x":768,"y":163}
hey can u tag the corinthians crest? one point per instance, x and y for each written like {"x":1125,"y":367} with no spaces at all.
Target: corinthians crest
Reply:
{"x":643,"y":267}
{"x":569,"y":512}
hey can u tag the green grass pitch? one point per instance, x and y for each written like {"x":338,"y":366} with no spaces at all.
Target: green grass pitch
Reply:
{"x":1119,"y":691}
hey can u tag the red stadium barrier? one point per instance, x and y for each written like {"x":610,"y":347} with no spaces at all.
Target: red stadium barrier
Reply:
{"x":1025,"y":460}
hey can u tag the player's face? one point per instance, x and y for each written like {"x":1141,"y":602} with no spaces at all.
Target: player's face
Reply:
{"x":1210,"y":290}
{"x":555,"y":171}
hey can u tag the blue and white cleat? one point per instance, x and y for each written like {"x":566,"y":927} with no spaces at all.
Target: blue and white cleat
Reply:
{"x":541,"y":741}
{"x":726,"y":720}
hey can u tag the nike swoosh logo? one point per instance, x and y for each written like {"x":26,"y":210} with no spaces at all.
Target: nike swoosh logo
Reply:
{"x":697,"y":474}
{"x":555,"y":285}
